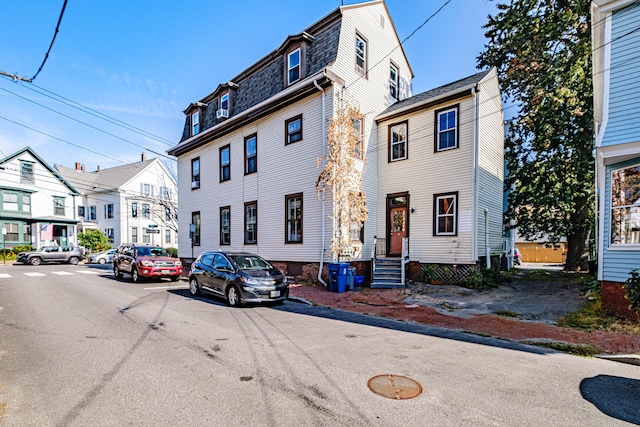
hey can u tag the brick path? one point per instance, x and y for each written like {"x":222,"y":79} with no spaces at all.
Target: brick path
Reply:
{"x":388,"y":303}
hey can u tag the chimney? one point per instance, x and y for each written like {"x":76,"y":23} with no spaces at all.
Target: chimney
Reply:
{"x":143,"y":157}
{"x":82,"y":168}
{"x":77,"y":166}
{"x":98,"y":170}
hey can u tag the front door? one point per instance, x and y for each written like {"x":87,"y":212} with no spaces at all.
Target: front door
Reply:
{"x":397,"y":228}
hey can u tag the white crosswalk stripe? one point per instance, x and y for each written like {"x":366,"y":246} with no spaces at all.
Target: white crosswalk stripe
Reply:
{"x":62,"y":273}
{"x":5,"y":276}
{"x":89,"y":272}
{"x":34,"y":274}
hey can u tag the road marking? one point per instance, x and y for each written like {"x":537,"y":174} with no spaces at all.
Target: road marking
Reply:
{"x":90,"y":272}
{"x":62,"y":273}
{"x":169,"y":287}
{"x":5,"y":276}
{"x":34,"y":274}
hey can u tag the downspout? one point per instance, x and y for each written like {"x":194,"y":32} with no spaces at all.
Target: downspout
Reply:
{"x":474,"y":196}
{"x":487,"y":247}
{"x":315,"y":82}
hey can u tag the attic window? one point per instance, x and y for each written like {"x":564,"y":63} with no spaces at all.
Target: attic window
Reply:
{"x":361,"y":54}
{"x":195,"y":123}
{"x":26,"y":173}
{"x":293,"y":66}
{"x":224,"y":102}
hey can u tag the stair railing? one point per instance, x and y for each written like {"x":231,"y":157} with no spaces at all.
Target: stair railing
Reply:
{"x":405,"y":259}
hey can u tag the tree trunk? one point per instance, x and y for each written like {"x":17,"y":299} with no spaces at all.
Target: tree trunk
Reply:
{"x":577,"y":255}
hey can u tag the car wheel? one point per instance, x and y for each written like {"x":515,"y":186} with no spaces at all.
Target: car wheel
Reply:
{"x":233,"y":296}
{"x":35,"y":261}
{"x":194,"y":289}
{"x":135,"y":276}
{"x":117,"y":273}
{"x":102,"y":261}
{"x":73,"y":260}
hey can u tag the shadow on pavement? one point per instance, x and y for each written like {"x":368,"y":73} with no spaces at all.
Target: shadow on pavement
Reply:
{"x":379,"y":322}
{"x":617,"y":397}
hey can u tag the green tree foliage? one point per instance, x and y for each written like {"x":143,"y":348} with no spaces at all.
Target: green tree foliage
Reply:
{"x":94,"y":240}
{"x":542,"y":52}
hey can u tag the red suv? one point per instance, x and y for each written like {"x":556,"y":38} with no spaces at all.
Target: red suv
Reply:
{"x":144,"y":261}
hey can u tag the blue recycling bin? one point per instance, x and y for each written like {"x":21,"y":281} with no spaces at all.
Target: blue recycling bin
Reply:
{"x":341,"y":280}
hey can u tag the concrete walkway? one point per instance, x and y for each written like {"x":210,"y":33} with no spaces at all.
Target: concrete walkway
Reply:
{"x":399,"y":304}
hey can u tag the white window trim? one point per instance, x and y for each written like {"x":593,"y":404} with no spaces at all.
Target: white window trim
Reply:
{"x":394,"y":83}
{"x":224,"y":98}
{"x":392,"y":144}
{"x":299,"y":65}
{"x":195,"y":123}
{"x":453,"y":214}
{"x":361,"y":54}
{"x":440,"y":132}
{"x":612,"y":245}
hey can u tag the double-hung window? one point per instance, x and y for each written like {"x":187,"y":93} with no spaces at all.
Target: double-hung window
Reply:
{"x":293,"y":205}
{"x":167,"y":213}
{"x":10,"y":201}
{"x":13,"y":232}
{"x":251,"y":154}
{"x":167,"y":236}
{"x":225,"y":163}
{"x":109,"y":233}
{"x":93,"y":215}
{"x":27,"y":175}
{"x":146,"y":212}
{"x":195,"y":231}
{"x":625,"y":206}
{"x":58,"y":205}
{"x":251,"y":223}
{"x":224,"y":102}
{"x":398,"y":142}
{"x":134,"y":234}
{"x":195,"y":173}
{"x":108,"y":211}
{"x":361,"y":54}
{"x":446,"y":129}
{"x":293,"y":130}
{"x":445,"y":214}
{"x":225,"y":225}
{"x":195,"y":123}
{"x":393,"y":81}
{"x":134,"y":209}
{"x":26,"y":203}
{"x":81,"y":212}
{"x":293,"y":66}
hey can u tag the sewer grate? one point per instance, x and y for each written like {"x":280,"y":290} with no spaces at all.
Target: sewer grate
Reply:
{"x":395,"y":386}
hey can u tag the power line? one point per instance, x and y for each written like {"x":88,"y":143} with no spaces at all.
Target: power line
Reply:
{"x":64,"y":6}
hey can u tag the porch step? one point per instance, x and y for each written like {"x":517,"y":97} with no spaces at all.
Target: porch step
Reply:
{"x":387,"y":274}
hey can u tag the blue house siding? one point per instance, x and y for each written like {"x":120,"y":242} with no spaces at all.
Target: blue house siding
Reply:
{"x":618,"y":260}
{"x":624,"y":91}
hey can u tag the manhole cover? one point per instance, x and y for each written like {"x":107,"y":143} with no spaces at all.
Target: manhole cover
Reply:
{"x":395,"y":386}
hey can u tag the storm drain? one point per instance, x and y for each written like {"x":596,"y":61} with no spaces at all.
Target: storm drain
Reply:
{"x":395,"y":386}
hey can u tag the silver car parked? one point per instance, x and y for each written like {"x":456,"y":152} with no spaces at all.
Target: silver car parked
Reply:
{"x":101,"y":257}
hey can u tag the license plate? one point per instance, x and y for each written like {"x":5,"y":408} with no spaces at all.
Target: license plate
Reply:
{"x":166,"y":272}
{"x":275,"y":294}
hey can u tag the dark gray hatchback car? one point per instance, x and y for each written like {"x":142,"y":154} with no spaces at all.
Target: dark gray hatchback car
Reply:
{"x":239,"y":277}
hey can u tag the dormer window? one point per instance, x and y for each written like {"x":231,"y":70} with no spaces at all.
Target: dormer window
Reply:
{"x":195,"y":123}
{"x":224,"y":102}
{"x":293,"y":66}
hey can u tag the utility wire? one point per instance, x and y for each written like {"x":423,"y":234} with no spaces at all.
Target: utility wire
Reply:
{"x":64,"y":6}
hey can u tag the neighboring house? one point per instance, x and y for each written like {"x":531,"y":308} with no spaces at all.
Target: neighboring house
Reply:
{"x":248,"y":160}
{"x":133,"y":203}
{"x":36,"y":203}
{"x":616,"y":74}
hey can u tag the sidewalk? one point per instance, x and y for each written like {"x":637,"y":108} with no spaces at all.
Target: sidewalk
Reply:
{"x":390,"y":303}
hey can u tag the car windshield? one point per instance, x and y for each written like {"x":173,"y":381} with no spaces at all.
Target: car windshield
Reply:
{"x":251,"y":262}
{"x":143,"y":251}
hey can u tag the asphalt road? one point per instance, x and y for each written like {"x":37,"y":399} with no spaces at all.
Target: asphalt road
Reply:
{"x":78,"y":348}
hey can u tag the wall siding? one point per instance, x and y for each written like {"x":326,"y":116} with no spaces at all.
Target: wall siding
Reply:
{"x":624,"y":100}
{"x":618,"y":260}
{"x":490,"y":164}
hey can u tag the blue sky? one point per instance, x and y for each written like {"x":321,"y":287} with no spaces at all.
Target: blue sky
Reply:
{"x":142,"y":62}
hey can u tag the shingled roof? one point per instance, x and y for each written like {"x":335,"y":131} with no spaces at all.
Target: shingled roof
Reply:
{"x":266,"y":78}
{"x":425,"y":98}
{"x":109,"y":179}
